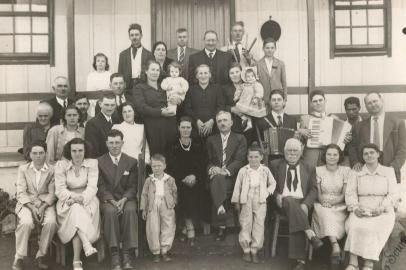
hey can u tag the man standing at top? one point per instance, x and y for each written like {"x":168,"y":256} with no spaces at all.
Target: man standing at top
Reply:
{"x":236,"y":49}
{"x":133,"y":59}
{"x":218,"y":61}
{"x":182,"y":53}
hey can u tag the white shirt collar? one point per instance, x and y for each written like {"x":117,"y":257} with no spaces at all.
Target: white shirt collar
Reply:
{"x":225,"y":136}
{"x":43,"y":169}
{"x":207,"y":52}
{"x":275,"y":115}
{"x":164,"y":178}
{"x":108,"y":118}
{"x":113,"y":157}
{"x":61,"y":101}
{"x":319,"y":114}
{"x":379,"y":170}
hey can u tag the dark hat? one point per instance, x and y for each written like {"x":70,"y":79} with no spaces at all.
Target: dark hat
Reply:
{"x":271,"y":29}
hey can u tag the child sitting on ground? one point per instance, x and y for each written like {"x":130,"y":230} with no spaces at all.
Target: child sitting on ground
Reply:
{"x":158,"y":200}
{"x":175,"y":85}
{"x":254,"y":184}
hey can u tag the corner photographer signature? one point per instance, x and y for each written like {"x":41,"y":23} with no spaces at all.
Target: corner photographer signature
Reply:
{"x":391,"y":258}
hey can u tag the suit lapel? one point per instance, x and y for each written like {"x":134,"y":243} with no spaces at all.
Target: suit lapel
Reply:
{"x":275,"y":63}
{"x":366,"y":134}
{"x":282,"y":175}
{"x":44,"y":176}
{"x":108,"y":167}
{"x":387,"y":128}
{"x":31,"y":179}
{"x":120,"y":170}
{"x":230,"y":147}
{"x":303,"y":179}
{"x":219,"y":148}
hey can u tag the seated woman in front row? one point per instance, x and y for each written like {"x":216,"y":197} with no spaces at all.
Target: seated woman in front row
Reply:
{"x":371,"y":197}
{"x":77,"y":207}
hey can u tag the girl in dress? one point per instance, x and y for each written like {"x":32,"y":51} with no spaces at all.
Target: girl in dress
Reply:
{"x":249,"y":97}
{"x":175,"y":85}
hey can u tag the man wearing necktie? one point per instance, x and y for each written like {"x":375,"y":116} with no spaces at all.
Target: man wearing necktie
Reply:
{"x":296,"y":192}
{"x":226,"y":153}
{"x":182,"y":52}
{"x":117,"y":191}
{"x":133,"y":59}
{"x":385,"y":130}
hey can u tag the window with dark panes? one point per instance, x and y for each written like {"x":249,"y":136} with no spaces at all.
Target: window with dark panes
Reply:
{"x":26,"y":31}
{"x":360,"y":27}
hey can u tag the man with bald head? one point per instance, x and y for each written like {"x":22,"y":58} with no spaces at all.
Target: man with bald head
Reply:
{"x":383,"y":129}
{"x":296,"y":191}
{"x":61,"y":99}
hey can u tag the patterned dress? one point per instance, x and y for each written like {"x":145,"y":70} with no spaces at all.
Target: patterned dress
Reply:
{"x":329,"y":221}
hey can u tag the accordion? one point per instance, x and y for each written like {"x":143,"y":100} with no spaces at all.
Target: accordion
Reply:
{"x":327,"y":130}
{"x":275,"y":138}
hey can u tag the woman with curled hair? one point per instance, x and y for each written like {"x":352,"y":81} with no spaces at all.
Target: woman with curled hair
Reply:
{"x":77,"y":208}
{"x":371,"y":196}
{"x":330,"y":211}
{"x":59,"y":135}
{"x":159,"y":50}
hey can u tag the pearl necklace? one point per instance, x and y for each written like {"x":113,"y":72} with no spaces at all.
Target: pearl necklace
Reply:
{"x":187,"y":148}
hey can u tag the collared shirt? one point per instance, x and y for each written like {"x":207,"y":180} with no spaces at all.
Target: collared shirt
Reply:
{"x":108,"y":118}
{"x":208,"y":52}
{"x":381,"y":119}
{"x":254,"y":177}
{"x":123,"y":99}
{"x":113,"y":158}
{"x":159,"y":184}
{"x":61,"y":101}
{"x":224,"y":141}
{"x":319,"y":114}
{"x":269,"y":63}
{"x":298,"y":193}
{"x":380,"y":170}
{"x":275,"y":116}
{"x":38,"y":173}
{"x":136,"y":63}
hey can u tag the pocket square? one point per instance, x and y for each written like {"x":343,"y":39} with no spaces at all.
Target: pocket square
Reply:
{"x":126,"y":173}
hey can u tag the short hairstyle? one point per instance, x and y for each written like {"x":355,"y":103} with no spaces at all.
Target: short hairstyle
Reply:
{"x":332,"y":146}
{"x":45,"y":104}
{"x":71,"y":107}
{"x":316,"y":93}
{"x":200,"y":66}
{"x":156,"y":44}
{"x":240,"y":23}
{"x":254,"y":147}
{"x":81,"y":96}
{"x":67,"y":148}
{"x":371,"y":146}
{"x":234,"y":65}
{"x":277,"y":92}
{"x":116,"y":75}
{"x":60,"y":77}
{"x":39,"y":143}
{"x":101,"y":55}
{"x":352,"y":100}
{"x":371,"y":93}
{"x":174,"y":64}
{"x":159,"y":157}
{"x":125,"y":104}
{"x":223,"y":112}
{"x":135,"y":26}
{"x":108,"y":95}
{"x":181,"y":30}
{"x":269,"y":40}
{"x":293,"y":141}
{"x":115,"y":133}
{"x":185,"y":118}
{"x":150,"y":62}
{"x":208,"y":32}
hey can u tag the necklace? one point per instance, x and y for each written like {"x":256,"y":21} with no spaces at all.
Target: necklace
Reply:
{"x":187,"y":147}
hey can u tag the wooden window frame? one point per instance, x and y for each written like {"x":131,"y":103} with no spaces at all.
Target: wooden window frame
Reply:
{"x":362,"y":50}
{"x":33,"y":58}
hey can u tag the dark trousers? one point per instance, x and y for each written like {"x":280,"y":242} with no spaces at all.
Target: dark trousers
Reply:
{"x":220,"y":189}
{"x":298,"y":223}
{"x":121,"y":228}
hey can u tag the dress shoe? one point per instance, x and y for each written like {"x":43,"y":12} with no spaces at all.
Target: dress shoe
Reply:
{"x":221,"y":235}
{"x":127,"y":262}
{"x":246,"y":257}
{"x":115,"y":261}
{"x":166,"y":258}
{"x":156,"y":258}
{"x":116,"y":267}
{"x":299,"y":266}
{"x":255,"y":258}
{"x":316,"y":242}
{"x":18,"y":264}
{"x":40,"y":263}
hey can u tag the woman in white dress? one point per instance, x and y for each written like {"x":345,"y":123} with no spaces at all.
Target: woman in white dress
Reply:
{"x":371,"y":196}
{"x":99,"y":79}
{"x":77,"y":208}
{"x":330,"y":211}
{"x":134,"y":134}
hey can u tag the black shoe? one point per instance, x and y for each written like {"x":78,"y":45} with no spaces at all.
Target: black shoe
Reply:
{"x":221,"y":234}
{"x":40,"y":263}
{"x":246,"y":257}
{"x":299,"y":266}
{"x":156,"y":258}
{"x":115,"y":261}
{"x":316,"y":242}
{"x":255,"y":258}
{"x":166,"y":258}
{"x":18,"y":264}
{"x":127,"y":262}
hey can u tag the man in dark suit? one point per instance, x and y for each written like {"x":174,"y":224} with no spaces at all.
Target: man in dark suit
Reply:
{"x":117,"y":191}
{"x":226,"y":154}
{"x":132,"y":61}
{"x":278,"y":119}
{"x":296,"y":192}
{"x":386,"y":131}
{"x":61,"y":99}
{"x":182,"y":53}
{"x":97,"y":128}
{"x":218,"y":61}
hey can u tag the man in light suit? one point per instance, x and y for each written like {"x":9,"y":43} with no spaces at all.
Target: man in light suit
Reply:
{"x":296,"y":192}
{"x":182,"y":53}
{"x":132,"y":60}
{"x":236,"y":49}
{"x":227,"y":154}
{"x":218,"y":61}
{"x":117,"y":191}
{"x":97,"y":128}
{"x":386,"y":131}
{"x":35,"y":205}
{"x":61,"y":99}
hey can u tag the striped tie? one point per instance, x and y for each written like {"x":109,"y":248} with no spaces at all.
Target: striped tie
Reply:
{"x":181,"y":55}
{"x":376,"y":139}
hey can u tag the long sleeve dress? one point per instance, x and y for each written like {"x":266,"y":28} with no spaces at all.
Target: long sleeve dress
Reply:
{"x":330,"y":221}
{"x":76,"y":217}
{"x":366,"y":236}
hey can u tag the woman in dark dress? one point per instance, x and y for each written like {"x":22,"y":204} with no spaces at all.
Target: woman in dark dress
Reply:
{"x":186,"y":164}
{"x":159,"y":51}
{"x":151,"y":102}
